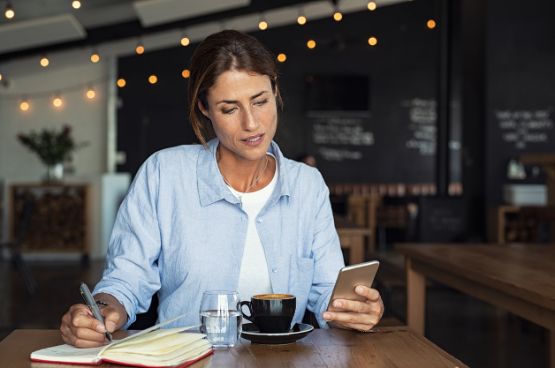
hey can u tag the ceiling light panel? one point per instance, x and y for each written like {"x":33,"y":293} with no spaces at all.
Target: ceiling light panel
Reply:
{"x":40,"y":32}
{"x":153,"y":12}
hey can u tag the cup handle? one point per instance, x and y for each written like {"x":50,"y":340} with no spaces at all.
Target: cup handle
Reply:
{"x":248,"y":304}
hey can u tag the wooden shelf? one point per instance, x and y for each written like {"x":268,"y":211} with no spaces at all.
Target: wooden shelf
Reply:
{"x":60,"y":216}
{"x":521,"y":224}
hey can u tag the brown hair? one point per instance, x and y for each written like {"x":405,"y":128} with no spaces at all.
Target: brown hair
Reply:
{"x":218,"y":53}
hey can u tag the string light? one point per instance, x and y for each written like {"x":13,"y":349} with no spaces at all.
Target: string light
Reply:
{"x":95,"y":57}
{"x":90,"y":93}
{"x":431,"y":24}
{"x":140,"y":49}
{"x":281,"y":57}
{"x":44,"y":62}
{"x":263,"y":25}
{"x":311,"y":44}
{"x":24,"y":105}
{"x":1,"y":77}
{"x":57,"y":101}
{"x":186,"y":73}
{"x":153,"y":79}
{"x":9,"y":12}
{"x":185,"y":41}
{"x":372,"y":41}
{"x":371,"y":6}
{"x":301,"y":19}
{"x":337,"y":16}
{"x":76,"y":4}
{"x":121,"y":83}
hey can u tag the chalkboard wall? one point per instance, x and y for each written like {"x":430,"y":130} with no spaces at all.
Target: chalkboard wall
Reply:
{"x":520,"y":106}
{"x":392,"y":141}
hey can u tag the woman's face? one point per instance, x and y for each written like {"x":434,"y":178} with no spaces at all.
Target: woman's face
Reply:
{"x":242,"y":108}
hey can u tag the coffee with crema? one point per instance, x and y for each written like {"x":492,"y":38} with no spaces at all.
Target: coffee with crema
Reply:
{"x":271,"y":312}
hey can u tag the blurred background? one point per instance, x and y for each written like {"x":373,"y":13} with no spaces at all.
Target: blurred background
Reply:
{"x":430,"y":120}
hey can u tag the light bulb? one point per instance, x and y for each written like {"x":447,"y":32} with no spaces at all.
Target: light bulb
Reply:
{"x":263,"y":25}
{"x":9,"y":13}
{"x":44,"y":62}
{"x":91,"y":93}
{"x":311,"y":44}
{"x":140,"y":49}
{"x":371,"y":6}
{"x":372,"y":41}
{"x":121,"y":82}
{"x":76,"y":4}
{"x":95,"y":57}
{"x":57,"y":102}
{"x":281,"y":57}
{"x":301,"y":20}
{"x":24,"y":105}
{"x":337,"y":16}
{"x":186,"y":73}
{"x":152,"y":79}
{"x":185,"y":41}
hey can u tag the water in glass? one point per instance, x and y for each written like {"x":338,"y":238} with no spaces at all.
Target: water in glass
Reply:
{"x":220,"y":319}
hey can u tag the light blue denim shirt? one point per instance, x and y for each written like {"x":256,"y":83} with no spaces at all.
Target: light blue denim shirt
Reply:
{"x":180,"y":231}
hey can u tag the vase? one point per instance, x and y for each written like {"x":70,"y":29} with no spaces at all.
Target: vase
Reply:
{"x":54,"y":172}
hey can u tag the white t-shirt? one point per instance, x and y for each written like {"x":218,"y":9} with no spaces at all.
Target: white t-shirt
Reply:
{"x":254,"y":277}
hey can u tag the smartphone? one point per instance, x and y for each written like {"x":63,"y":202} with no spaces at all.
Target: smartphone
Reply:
{"x":350,"y":277}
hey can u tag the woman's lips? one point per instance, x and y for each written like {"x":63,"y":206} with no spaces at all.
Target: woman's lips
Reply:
{"x":254,"y":141}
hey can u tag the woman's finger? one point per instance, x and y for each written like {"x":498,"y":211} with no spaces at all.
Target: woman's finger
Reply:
{"x":351,"y":318}
{"x":370,"y":294}
{"x":352,"y":306}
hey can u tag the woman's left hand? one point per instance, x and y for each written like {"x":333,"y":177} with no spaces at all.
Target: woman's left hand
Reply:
{"x":357,"y":315}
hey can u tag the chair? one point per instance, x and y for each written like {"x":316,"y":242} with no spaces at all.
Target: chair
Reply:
{"x":14,"y":246}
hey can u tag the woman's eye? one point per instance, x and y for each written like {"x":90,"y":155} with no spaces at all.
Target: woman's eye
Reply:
{"x":261,"y":102}
{"x":229,"y":111}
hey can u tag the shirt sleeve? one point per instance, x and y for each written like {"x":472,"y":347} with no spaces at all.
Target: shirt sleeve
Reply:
{"x":328,"y":258}
{"x":131,"y":274}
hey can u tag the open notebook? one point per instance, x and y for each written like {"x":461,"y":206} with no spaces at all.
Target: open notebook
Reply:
{"x":153,"y":347}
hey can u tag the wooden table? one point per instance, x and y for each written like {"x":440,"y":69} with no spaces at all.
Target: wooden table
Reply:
{"x":390,"y":347}
{"x":519,"y":278}
{"x":352,"y":237}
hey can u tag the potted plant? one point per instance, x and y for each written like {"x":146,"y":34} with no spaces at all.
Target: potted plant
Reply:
{"x":53,"y":146}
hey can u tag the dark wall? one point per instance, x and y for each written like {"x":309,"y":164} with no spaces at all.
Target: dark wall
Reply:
{"x":402,"y":76}
{"x":520,"y":60}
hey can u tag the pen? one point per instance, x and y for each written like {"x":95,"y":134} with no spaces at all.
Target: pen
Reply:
{"x":91,"y":303}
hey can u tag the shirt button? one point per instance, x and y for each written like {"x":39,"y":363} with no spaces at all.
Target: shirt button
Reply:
{"x":274,"y":270}
{"x":259,"y":220}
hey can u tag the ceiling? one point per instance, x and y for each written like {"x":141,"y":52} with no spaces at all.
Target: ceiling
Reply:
{"x":113,"y":27}
{"x":43,"y":23}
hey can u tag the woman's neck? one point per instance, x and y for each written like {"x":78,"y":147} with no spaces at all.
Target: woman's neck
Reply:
{"x":245,"y":175}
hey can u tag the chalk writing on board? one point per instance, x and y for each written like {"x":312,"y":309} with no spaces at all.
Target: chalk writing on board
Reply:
{"x":344,"y":131}
{"x":331,"y":154}
{"x":523,"y":128}
{"x":422,"y":118}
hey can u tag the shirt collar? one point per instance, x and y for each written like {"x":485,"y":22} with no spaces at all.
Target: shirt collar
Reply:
{"x":210,"y":182}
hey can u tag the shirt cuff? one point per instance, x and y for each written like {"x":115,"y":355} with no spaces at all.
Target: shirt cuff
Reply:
{"x":127,"y":304}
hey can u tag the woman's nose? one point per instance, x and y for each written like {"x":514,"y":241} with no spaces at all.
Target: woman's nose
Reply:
{"x":249,"y":120}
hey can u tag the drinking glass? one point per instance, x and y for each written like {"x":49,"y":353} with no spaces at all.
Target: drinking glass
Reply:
{"x":220,"y":317}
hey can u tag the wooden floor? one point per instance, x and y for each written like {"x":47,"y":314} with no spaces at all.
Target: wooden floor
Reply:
{"x":474,"y":332}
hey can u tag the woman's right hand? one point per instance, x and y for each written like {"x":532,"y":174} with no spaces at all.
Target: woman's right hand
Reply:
{"x":79,"y":328}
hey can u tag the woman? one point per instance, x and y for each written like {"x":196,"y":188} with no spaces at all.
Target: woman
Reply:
{"x":232,"y":213}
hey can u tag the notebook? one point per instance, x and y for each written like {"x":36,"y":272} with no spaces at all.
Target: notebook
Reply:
{"x":153,"y":347}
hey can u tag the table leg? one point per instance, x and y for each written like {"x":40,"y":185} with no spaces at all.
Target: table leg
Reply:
{"x":416,"y":298}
